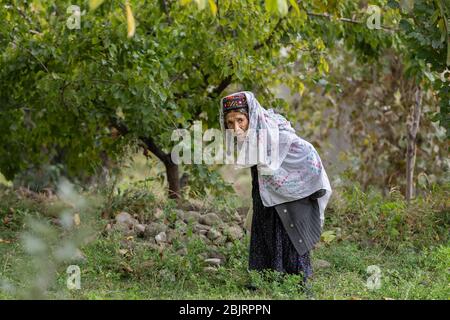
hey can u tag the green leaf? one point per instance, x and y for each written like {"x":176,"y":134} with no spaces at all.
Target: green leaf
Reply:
{"x":328,"y":236}
{"x":393,"y":4}
{"x":271,"y":6}
{"x":201,"y":4}
{"x":282,"y":7}
{"x":295,"y":6}
{"x":94,"y":4}
{"x":213,"y":7}
{"x":131,"y":25}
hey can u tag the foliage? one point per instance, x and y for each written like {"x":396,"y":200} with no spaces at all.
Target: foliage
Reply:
{"x":116,"y":266}
{"x":62,"y":89}
{"x":372,"y":219}
{"x":425,"y":35}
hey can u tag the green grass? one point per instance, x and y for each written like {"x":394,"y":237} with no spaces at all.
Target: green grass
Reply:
{"x":145,"y":274}
{"x":408,"y":271}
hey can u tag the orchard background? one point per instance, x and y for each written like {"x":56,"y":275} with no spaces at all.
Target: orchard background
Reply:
{"x":91,"y":92}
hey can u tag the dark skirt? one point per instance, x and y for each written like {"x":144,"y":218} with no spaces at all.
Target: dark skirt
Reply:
{"x":270,"y":245}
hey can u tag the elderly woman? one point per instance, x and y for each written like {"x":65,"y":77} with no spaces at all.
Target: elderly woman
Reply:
{"x":290,"y":191}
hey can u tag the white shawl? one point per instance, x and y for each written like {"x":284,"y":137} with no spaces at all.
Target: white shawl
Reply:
{"x":289,"y":168}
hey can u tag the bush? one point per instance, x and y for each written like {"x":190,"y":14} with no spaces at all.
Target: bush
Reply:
{"x":390,"y":221}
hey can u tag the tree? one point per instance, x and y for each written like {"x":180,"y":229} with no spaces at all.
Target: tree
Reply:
{"x":148,"y":68}
{"x":76,"y":84}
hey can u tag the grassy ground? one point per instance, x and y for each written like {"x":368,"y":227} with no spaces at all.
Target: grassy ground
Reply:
{"x":409,"y":245}
{"x":109,"y":272}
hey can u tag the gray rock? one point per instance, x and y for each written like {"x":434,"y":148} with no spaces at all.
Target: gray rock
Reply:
{"x":180,"y":214}
{"x":213,"y":234}
{"x":158,"y":214}
{"x":154,"y":228}
{"x":201,"y":227}
{"x":191,"y":216}
{"x":220,"y":241}
{"x":213,"y":262}
{"x":171,"y":235}
{"x":181,"y":227}
{"x":202,"y":255}
{"x":128,"y":232}
{"x":108,"y":228}
{"x":140,"y":229}
{"x":204,"y":238}
{"x":210,"y":219}
{"x":321,"y":264}
{"x":237,"y":217}
{"x":124,"y":218}
{"x":234,"y":233}
{"x":78,"y":257}
{"x":161,"y":237}
{"x":216,"y":254}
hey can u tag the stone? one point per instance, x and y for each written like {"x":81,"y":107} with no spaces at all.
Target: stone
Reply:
{"x":321,"y":264}
{"x":154,"y":228}
{"x":234,"y":233}
{"x":140,"y":229}
{"x":182,"y":251}
{"x":204,"y":238}
{"x":210,"y":219}
{"x":216,"y":254}
{"x":181,"y":226}
{"x":161,"y":237}
{"x":237,"y":217}
{"x":219,"y":241}
{"x":202,"y":255}
{"x":158,"y":214}
{"x":191,"y":216}
{"x":124,"y":218}
{"x":171,"y":235}
{"x":108,"y":228}
{"x":210,"y":269}
{"x":201,"y":227}
{"x":213,"y":234}
{"x":78,"y":257}
{"x":213,"y":261}
{"x":180,"y":214}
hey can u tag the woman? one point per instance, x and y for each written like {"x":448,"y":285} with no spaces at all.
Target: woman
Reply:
{"x":290,"y":190}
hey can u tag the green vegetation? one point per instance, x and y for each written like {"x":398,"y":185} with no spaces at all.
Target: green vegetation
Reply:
{"x":414,"y":261}
{"x":84,"y":89}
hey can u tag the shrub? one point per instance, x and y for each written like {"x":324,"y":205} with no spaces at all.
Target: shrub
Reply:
{"x":390,"y":221}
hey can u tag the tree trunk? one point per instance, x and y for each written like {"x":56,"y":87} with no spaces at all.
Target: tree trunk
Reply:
{"x":412,"y":127}
{"x":172,"y":172}
{"x":173,"y":180}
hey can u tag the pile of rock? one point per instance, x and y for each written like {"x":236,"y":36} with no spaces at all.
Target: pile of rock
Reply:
{"x":159,"y":233}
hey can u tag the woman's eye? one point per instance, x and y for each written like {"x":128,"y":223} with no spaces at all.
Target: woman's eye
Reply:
{"x":240,"y":120}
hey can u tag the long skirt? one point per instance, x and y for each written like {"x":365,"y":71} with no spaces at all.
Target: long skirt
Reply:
{"x":270,"y":245}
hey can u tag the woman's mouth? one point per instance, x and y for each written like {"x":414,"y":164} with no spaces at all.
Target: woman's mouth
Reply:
{"x":240,"y":136}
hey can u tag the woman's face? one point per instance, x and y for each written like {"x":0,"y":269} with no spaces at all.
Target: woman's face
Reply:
{"x":238,"y":122}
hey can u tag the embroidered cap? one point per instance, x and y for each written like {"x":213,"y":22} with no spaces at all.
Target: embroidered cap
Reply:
{"x":235,"y":101}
